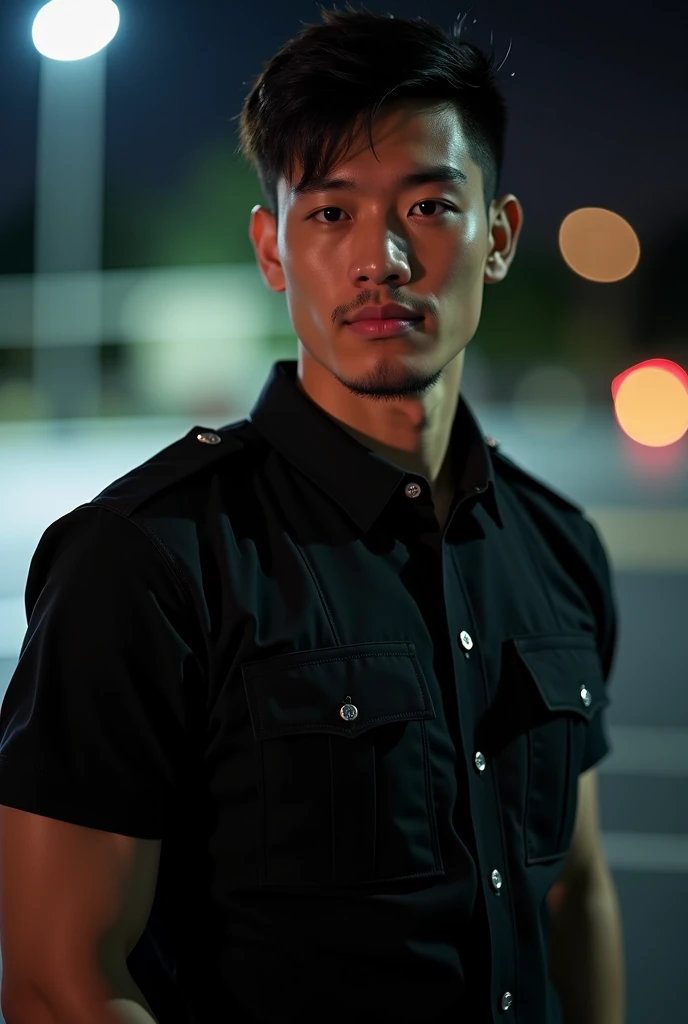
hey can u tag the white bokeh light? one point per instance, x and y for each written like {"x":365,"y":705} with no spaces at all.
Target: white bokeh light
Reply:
{"x":74,"y":29}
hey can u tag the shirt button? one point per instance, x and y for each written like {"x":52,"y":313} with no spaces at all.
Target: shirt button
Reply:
{"x":585,"y":696}
{"x":208,"y":437}
{"x":348,"y":712}
{"x":506,"y":1001}
{"x":412,"y":490}
{"x":496,"y":880}
{"x":479,"y":761}
{"x":466,"y":640}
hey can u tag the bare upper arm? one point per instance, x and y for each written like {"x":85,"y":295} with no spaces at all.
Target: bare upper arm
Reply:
{"x":73,"y":900}
{"x":586,"y":858}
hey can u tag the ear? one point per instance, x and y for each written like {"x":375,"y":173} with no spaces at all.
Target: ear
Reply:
{"x":507,"y":221}
{"x":262,"y":231}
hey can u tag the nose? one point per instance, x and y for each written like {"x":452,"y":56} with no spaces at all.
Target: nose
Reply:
{"x":389,"y":265}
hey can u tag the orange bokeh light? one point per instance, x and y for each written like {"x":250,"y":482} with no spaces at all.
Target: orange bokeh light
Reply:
{"x":651,"y":402}
{"x":599,"y":245}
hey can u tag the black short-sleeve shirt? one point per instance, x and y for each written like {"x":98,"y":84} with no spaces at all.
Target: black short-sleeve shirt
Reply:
{"x":357,"y":736}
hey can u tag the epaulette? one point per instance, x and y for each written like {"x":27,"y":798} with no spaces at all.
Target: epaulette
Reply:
{"x":510,"y":469}
{"x":191,"y":454}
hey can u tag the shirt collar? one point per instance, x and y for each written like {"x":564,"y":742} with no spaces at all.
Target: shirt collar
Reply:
{"x":358,"y":479}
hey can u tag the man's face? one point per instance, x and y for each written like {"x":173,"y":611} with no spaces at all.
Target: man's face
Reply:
{"x":425,"y":246}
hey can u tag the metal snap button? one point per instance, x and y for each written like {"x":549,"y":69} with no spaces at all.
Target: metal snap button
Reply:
{"x":506,"y":1001}
{"x":208,"y":437}
{"x":465,"y":639}
{"x":496,"y":880}
{"x":412,"y":490}
{"x":348,"y":712}
{"x":479,"y":761}
{"x":586,"y":696}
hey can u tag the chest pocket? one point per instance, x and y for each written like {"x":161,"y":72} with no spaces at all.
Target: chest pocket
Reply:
{"x":344,"y":779}
{"x":562,"y":691}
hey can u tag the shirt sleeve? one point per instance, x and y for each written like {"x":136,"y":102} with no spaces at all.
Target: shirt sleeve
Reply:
{"x":95,"y":724}
{"x":604,"y":604}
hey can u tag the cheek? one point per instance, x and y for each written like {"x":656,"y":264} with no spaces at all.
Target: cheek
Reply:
{"x":462,"y":267}
{"x":462,"y":276}
{"x":462,"y":286}
{"x":315,"y":277}
{"x":307,"y":268}
{"x":470,"y":250}
{"x":309,"y":310}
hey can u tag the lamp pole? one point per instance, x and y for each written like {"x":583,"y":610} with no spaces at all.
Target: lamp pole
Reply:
{"x":67,"y":312}
{"x":71,"y":36}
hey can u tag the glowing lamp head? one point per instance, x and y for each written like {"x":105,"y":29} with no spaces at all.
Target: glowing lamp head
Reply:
{"x":74,"y":29}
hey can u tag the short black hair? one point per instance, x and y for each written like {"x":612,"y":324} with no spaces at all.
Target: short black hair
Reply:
{"x":307,"y":102}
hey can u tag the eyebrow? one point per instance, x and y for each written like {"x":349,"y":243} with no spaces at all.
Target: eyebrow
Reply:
{"x":438,"y":174}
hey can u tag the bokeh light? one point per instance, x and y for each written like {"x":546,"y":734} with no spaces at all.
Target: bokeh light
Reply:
{"x":74,"y":29}
{"x":651,"y":402}
{"x":599,"y":245}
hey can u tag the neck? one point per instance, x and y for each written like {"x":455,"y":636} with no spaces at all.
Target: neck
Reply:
{"x":413,"y":433}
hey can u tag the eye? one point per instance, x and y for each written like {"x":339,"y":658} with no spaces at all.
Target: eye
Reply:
{"x":423,"y":202}
{"x":435,"y":202}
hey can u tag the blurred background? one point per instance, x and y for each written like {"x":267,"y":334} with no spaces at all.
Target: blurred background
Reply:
{"x":131,"y":310}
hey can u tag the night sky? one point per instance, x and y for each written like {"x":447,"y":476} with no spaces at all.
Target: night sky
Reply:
{"x":598,"y":101}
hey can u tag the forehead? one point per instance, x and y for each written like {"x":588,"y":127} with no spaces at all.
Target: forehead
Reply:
{"x":407,"y":135}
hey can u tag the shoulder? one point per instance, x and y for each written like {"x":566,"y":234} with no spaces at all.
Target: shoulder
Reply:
{"x":558,"y":516}
{"x":544,"y":501}
{"x":123,"y":525}
{"x":530,"y":487}
{"x":549,"y":508}
{"x":201,"y":451}
{"x":563,"y":526}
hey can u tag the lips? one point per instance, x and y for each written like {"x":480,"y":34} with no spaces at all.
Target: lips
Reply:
{"x":384,"y":327}
{"x":390,"y":311}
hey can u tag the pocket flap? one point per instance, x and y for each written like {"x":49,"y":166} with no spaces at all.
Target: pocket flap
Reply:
{"x":303,"y":692}
{"x":566,"y":670}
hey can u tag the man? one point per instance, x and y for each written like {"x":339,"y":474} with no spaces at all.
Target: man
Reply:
{"x":305,"y":721}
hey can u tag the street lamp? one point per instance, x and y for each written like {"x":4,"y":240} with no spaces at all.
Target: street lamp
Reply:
{"x":71,"y":36}
{"x":74,"y":29}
